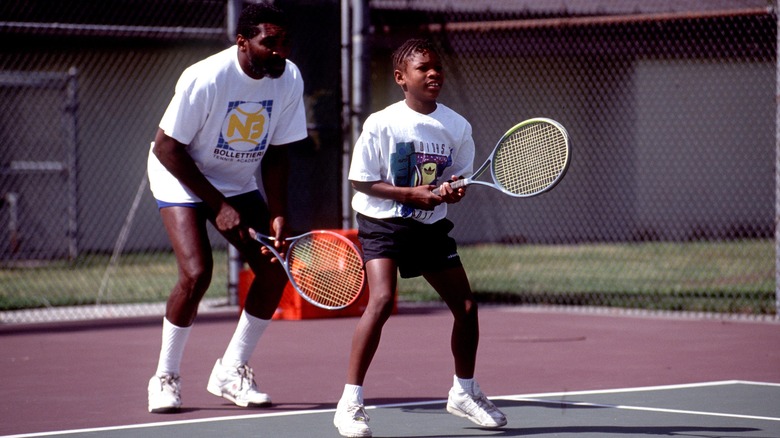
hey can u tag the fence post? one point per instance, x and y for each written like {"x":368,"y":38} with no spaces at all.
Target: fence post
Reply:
{"x":777,"y":165}
{"x":72,"y":128}
{"x":235,"y":264}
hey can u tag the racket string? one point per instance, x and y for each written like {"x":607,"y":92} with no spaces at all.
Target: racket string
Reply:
{"x":327,"y":270}
{"x":540,"y":149}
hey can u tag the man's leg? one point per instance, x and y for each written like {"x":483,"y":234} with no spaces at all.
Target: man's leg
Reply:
{"x":191,"y":246}
{"x":231,"y":377}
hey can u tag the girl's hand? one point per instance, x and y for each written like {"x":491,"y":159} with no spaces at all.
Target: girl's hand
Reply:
{"x":450,"y":195}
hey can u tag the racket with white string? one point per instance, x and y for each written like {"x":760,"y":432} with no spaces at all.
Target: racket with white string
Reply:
{"x":324,"y":267}
{"x":530,"y":159}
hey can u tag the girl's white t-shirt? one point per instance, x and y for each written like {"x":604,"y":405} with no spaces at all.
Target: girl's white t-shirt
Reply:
{"x":228,"y":120}
{"x":405,"y":148}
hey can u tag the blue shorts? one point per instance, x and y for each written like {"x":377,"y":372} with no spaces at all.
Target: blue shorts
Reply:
{"x":416,"y":247}
{"x":251,"y":206}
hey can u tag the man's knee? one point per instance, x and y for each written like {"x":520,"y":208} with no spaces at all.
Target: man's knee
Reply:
{"x":195,"y":278}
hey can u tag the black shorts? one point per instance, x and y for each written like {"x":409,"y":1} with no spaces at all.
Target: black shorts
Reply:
{"x":251,"y":206}
{"x":414,"y":246}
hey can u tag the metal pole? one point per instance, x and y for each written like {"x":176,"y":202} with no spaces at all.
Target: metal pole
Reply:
{"x":100,"y":30}
{"x":12,"y":199}
{"x":358,"y":55}
{"x":234,"y":262}
{"x":535,"y":23}
{"x":359,"y":91}
{"x":72,"y":160}
{"x":346,"y":112}
{"x":233,"y":10}
{"x":777,"y":166}
{"x":235,"y":265}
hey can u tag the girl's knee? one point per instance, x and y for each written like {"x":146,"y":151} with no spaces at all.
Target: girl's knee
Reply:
{"x":381,"y":304}
{"x":471,"y":307}
{"x":466,"y":311}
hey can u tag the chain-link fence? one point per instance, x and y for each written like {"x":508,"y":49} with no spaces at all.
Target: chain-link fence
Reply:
{"x":668,"y":204}
{"x":82,"y":88}
{"x":670,"y":197}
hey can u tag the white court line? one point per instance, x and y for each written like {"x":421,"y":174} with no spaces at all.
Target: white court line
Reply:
{"x":526,"y":397}
{"x":172,"y":423}
{"x":640,"y":389}
{"x":534,"y":398}
{"x":647,"y":409}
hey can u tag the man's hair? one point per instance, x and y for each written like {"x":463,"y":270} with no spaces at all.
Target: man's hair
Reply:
{"x":409,"y":48}
{"x":256,"y":14}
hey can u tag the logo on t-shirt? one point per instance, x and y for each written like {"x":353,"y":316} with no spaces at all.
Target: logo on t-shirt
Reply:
{"x":244,"y":133}
{"x":418,"y":163}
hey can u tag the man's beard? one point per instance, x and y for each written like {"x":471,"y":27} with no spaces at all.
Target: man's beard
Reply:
{"x":272,"y":68}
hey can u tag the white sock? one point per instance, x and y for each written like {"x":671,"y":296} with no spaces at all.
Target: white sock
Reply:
{"x":244,"y":341}
{"x":174,"y":339}
{"x":467,"y":385}
{"x":353,"y":394}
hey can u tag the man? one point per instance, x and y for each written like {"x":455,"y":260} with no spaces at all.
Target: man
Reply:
{"x":231,"y":112}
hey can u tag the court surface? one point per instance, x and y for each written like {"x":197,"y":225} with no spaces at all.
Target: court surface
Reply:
{"x":554,"y":373}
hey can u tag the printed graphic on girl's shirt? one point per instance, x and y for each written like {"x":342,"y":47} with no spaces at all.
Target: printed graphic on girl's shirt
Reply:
{"x":418,"y":163}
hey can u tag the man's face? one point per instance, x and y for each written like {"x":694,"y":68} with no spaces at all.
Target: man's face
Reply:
{"x":264,"y":54}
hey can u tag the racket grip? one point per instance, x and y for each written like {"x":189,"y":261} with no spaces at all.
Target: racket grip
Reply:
{"x":459,"y":183}
{"x":454,"y":184}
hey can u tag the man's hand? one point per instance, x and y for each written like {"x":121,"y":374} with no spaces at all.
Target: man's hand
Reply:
{"x":228,"y":222}
{"x":279,"y":234}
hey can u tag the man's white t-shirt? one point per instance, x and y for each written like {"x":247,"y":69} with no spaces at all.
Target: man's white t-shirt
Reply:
{"x":405,"y":148}
{"x":228,"y":120}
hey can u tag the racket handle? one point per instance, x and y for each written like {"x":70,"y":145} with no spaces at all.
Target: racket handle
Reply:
{"x":454,"y":184}
{"x":460,"y":183}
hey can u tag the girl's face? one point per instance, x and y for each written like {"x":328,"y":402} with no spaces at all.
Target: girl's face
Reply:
{"x":421,"y":79}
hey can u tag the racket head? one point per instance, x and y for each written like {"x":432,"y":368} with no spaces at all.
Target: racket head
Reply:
{"x":326,"y":269}
{"x":531,"y":158}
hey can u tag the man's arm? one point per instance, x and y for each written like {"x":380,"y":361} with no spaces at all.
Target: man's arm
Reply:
{"x":173,"y":155}
{"x":275,"y":169}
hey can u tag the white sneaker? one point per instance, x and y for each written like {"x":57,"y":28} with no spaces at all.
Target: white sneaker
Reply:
{"x":236,"y":384}
{"x":351,"y":420}
{"x":164,"y":393}
{"x":475,"y":407}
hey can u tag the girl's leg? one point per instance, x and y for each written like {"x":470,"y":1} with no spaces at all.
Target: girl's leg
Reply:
{"x":382,"y":284}
{"x":351,"y":418}
{"x":465,"y":397}
{"x":453,"y":286}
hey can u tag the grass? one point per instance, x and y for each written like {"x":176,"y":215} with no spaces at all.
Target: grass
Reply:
{"x":137,"y":278}
{"x":733,"y":277}
{"x":736,"y":276}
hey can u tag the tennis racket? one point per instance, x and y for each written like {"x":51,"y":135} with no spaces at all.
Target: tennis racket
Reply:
{"x":324,"y":267}
{"x":530,"y":159}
